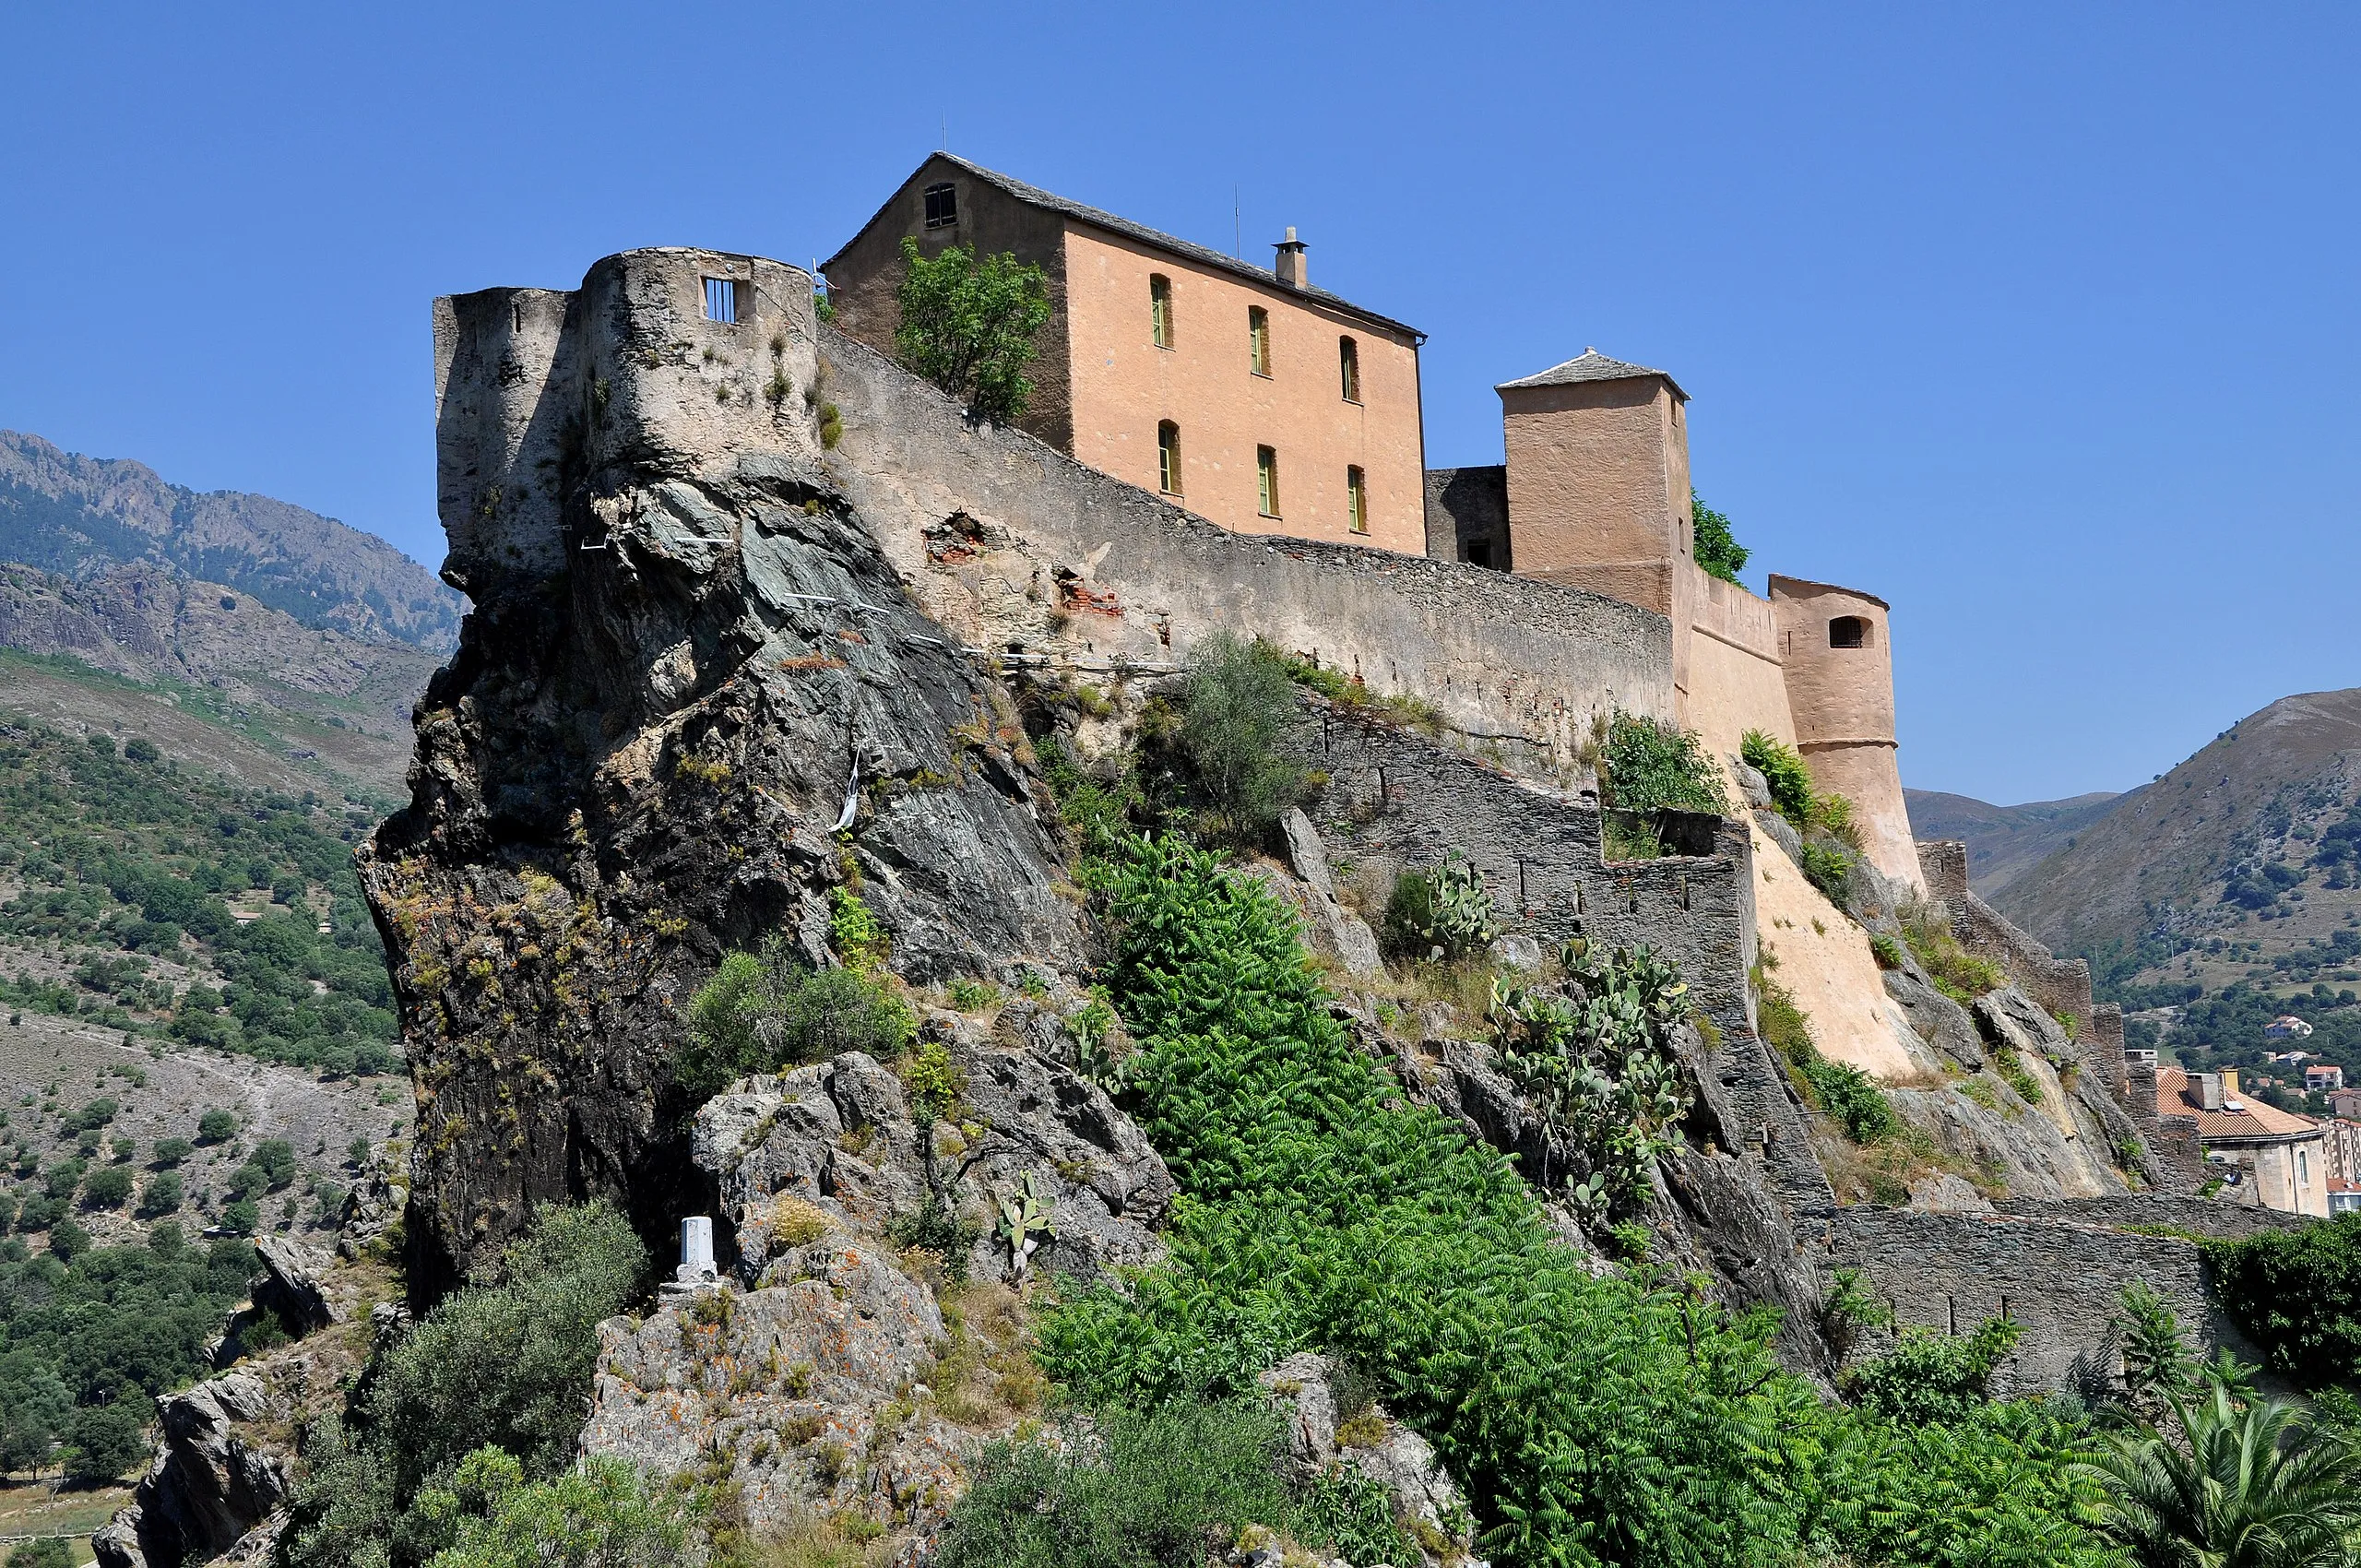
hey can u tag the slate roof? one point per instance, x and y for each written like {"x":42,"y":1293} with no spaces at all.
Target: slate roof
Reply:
{"x":2176,"y":1097}
{"x":1034,"y":196}
{"x":1590,"y":365}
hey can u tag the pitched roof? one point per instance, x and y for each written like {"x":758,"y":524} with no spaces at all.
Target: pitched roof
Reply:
{"x":2176,"y":1097}
{"x":1034,"y":196}
{"x":1590,"y":365}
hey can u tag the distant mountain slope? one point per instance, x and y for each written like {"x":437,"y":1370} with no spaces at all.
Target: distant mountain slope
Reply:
{"x":73,"y":515}
{"x":2002,"y":841}
{"x":145,"y":623}
{"x":2238,"y":865}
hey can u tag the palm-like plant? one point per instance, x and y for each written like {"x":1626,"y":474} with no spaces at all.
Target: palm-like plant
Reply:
{"x":2252,"y":1483}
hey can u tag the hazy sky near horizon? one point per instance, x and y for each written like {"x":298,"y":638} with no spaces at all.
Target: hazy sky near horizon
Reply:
{"x":2038,"y":321}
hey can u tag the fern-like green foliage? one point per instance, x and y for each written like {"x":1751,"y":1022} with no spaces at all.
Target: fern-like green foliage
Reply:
{"x":1591,"y":1420}
{"x":1933,"y":1376}
{"x":967,"y":324}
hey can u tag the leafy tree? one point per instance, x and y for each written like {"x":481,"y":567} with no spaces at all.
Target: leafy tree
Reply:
{"x":216,"y":1126}
{"x":50,"y":1551}
{"x":596,"y":1515}
{"x":240,"y":1217}
{"x":1929,"y":1376}
{"x":275,"y":1157}
{"x":164,"y":1194}
{"x":1717,"y":551}
{"x":171,"y":1151}
{"x":2236,"y":1481}
{"x":505,"y":1364}
{"x":103,"y":1441}
{"x":108,"y":1187}
{"x":2156,"y":1363}
{"x":968,"y":326}
{"x":1240,"y":701}
{"x":68,"y":1241}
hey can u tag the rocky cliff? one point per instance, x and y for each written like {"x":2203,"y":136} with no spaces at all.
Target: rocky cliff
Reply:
{"x":692,"y":698}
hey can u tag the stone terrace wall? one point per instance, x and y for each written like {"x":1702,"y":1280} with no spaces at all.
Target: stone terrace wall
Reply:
{"x":2199,"y":1217}
{"x":1018,"y":548}
{"x":2060,"y":1280}
{"x":1395,"y":799}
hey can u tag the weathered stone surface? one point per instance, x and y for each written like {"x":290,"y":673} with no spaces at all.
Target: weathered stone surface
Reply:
{"x":1752,"y":788}
{"x":1782,"y":832}
{"x":290,"y":1284}
{"x":207,"y":1487}
{"x":797,"y":1384}
{"x":1427,"y":1502}
{"x":840,"y":1137}
{"x":2013,"y":1021}
{"x":692,"y":698}
{"x":1940,"y":1023}
{"x":1943,"y":1193}
{"x":1515,"y":951}
{"x":1307,"y":855}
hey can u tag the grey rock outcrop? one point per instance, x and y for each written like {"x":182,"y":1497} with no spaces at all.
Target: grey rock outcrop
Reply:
{"x":1940,"y":1023}
{"x":290,"y":1284}
{"x":1333,"y":929}
{"x":208,"y":1487}
{"x":799,"y":1384}
{"x":840,"y":1138}
{"x":678,"y":620}
{"x":1428,"y":1504}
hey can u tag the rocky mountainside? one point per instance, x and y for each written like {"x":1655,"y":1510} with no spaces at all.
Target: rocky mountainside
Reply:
{"x":2002,"y":841}
{"x":2237,"y":865}
{"x":72,"y":514}
{"x":149,"y":624}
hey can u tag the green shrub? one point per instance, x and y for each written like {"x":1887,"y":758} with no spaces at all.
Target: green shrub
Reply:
{"x":1783,"y":770}
{"x":1957,"y":973}
{"x":1713,"y":547}
{"x":50,"y":1551}
{"x":1651,"y":765}
{"x":103,"y":1441}
{"x":2297,"y":1295}
{"x":854,"y":931}
{"x":596,"y":1515}
{"x":1930,"y":1376}
{"x":1829,"y":868}
{"x":1133,"y":1488}
{"x":968,"y":326}
{"x":171,"y":1151}
{"x":107,"y":1187}
{"x":1590,"y":1419}
{"x":1241,"y":703}
{"x":1886,"y":951}
{"x":761,"y":1012}
{"x":1443,"y":910}
{"x":1853,"y":1098}
{"x":506,"y":1364}
{"x":216,"y":1126}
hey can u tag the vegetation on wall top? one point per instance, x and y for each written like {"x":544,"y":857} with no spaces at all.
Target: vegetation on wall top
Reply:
{"x":1716,"y":550}
{"x":967,"y":324}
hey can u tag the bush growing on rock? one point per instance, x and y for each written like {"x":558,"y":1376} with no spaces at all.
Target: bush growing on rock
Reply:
{"x":1649,"y":764}
{"x":1240,"y":701}
{"x":1440,"y":913}
{"x":762,"y":1012}
{"x":505,"y":1364}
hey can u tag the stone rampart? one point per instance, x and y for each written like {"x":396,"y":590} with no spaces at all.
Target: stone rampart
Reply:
{"x":1394,"y":800}
{"x":2061,"y":1280}
{"x":2170,"y":1211}
{"x":1018,"y":548}
{"x":2061,"y":985}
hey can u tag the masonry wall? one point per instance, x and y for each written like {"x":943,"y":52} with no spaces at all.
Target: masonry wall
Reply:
{"x":2062,"y":1280}
{"x":534,"y":385}
{"x":1019,"y":548}
{"x":1467,"y":509}
{"x":1125,"y":384}
{"x":1842,"y":702}
{"x":1395,"y":799}
{"x":1735,"y":682}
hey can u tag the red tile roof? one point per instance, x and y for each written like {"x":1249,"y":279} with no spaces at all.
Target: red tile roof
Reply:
{"x":2176,"y":1097}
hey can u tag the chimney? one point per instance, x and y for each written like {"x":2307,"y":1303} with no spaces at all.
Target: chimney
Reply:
{"x":1291,"y":267}
{"x":2209,"y":1090}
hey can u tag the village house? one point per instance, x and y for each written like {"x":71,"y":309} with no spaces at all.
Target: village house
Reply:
{"x":1241,"y":392}
{"x":2270,"y":1159}
{"x":2320,"y":1077}
{"x":2344,"y":1103}
{"x":2287,"y":1026}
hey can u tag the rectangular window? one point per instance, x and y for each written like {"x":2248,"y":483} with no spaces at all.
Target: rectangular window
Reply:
{"x":942,"y":207}
{"x":1258,"y":339}
{"x":1348,"y":361}
{"x":721,"y":300}
{"x":1167,"y":458}
{"x":1356,"y":498}
{"x":1266,"y":473}
{"x":1159,"y":311}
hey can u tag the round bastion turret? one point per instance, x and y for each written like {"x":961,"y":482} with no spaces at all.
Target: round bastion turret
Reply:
{"x":1838,"y":659}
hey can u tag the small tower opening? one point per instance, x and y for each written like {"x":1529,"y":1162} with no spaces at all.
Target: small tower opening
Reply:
{"x":722,"y":300}
{"x":1848,"y":631}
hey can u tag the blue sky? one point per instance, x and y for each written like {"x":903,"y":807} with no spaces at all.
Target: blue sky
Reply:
{"x":2038,"y":321}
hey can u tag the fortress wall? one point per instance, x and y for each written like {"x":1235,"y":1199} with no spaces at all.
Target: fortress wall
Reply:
{"x":1469,"y":506}
{"x":2199,"y":1217}
{"x":1015,"y":547}
{"x":1395,"y":800}
{"x":2061,"y":1280}
{"x":1841,"y":699}
{"x":2061,"y":985}
{"x":535,"y":386}
{"x":1735,"y":682}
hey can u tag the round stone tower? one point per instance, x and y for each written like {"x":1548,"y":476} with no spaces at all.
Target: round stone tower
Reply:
{"x":1839,"y":664}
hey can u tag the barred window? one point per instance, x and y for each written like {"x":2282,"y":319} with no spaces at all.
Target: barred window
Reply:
{"x":721,"y":300}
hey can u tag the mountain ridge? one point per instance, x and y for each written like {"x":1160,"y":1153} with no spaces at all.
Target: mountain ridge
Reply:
{"x":71,"y":515}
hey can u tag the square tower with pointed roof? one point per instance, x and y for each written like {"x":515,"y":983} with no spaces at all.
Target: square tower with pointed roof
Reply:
{"x":1242,"y":393}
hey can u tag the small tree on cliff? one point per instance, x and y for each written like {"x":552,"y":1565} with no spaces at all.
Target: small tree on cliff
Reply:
{"x":968,"y":326}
